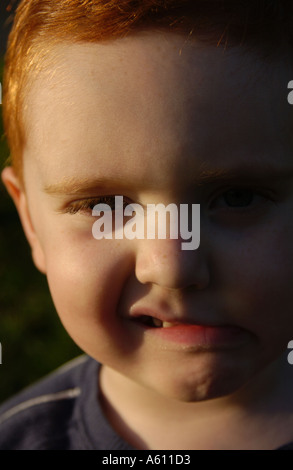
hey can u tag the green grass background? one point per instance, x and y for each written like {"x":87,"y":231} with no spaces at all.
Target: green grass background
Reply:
{"x":31,"y":335}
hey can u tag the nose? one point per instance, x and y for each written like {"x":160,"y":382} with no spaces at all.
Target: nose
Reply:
{"x":165,"y":263}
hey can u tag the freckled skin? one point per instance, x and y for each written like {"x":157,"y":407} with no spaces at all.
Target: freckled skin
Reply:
{"x":158,"y":120}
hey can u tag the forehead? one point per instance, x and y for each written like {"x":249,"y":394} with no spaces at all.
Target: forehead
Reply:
{"x":152,"y":99}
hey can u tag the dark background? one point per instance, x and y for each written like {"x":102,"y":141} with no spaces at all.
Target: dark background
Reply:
{"x":7,"y":8}
{"x":32,"y":338}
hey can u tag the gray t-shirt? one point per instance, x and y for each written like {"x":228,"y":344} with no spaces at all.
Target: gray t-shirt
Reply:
{"x":61,"y":412}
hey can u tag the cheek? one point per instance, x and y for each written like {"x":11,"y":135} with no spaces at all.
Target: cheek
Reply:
{"x":258,"y":283}
{"x":86,"y":282}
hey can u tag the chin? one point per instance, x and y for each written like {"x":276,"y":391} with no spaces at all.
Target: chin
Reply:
{"x":203,"y":385}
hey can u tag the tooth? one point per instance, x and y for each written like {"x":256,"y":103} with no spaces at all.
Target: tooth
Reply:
{"x":158,"y":323}
{"x":167,"y":324}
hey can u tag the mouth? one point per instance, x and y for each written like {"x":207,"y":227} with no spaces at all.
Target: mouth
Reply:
{"x":191,"y":334}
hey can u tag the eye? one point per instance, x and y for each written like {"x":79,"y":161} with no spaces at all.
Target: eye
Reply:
{"x":239,"y":197}
{"x":85,"y":206}
{"x":240,"y":200}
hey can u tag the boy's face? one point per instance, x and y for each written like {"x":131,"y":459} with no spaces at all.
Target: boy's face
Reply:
{"x":158,"y":119}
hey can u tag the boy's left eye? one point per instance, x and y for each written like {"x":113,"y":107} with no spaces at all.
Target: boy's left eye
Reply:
{"x":239,"y":198}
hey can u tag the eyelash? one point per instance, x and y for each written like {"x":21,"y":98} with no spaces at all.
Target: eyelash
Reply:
{"x":254,"y":195}
{"x":86,"y":205}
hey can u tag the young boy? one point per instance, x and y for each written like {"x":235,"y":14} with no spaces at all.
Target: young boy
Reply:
{"x":181,"y":102}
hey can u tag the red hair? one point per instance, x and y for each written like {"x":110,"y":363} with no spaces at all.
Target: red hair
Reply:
{"x":40,"y":23}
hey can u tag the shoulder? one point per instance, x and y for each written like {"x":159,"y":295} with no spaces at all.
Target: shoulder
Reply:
{"x":45,"y":415}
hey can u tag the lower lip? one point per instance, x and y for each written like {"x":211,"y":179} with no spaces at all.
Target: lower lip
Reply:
{"x":205,"y":337}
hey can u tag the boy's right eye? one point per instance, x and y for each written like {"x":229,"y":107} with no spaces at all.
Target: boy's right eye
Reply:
{"x":85,"y":206}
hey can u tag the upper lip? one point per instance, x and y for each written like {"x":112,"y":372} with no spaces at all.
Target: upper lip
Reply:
{"x":169,"y":316}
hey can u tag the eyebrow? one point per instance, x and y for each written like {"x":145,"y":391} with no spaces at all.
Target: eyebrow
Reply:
{"x":80,"y":186}
{"x":249,"y":172}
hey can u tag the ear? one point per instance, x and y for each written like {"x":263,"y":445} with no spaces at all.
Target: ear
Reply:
{"x":17,"y":193}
